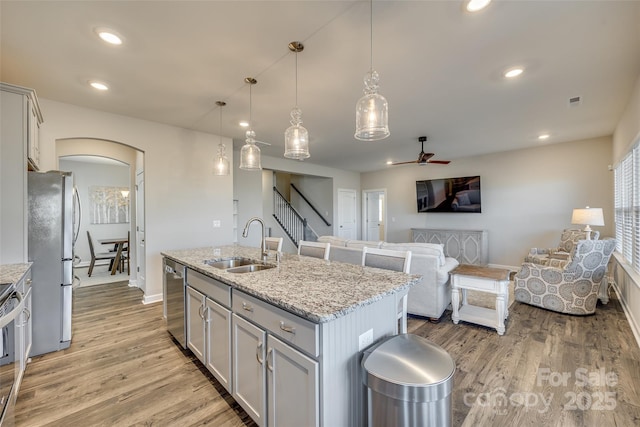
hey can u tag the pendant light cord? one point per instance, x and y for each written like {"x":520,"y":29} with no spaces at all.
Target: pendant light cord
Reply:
{"x":371,"y":33}
{"x":296,"y":78}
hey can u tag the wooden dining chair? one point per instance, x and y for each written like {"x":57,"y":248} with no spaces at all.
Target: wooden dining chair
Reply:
{"x":391,"y":260}
{"x":273,"y":243}
{"x":314,"y":249}
{"x":125,"y":257}
{"x":111,"y":256}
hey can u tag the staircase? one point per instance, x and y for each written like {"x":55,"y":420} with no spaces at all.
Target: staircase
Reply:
{"x":293,"y":224}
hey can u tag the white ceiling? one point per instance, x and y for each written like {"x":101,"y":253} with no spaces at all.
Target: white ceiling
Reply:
{"x":440,"y":68}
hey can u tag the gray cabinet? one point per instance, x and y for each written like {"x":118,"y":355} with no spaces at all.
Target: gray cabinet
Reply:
{"x":19,"y":130}
{"x":23,"y":330}
{"x":249,"y":388}
{"x":467,"y":246}
{"x":292,"y":382}
{"x":292,"y":386}
{"x":209,"y":325}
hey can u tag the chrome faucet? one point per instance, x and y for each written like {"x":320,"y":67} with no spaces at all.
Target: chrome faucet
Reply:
{"x":263,"y":246}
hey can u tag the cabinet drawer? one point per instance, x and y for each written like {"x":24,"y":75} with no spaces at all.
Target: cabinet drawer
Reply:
{"x":212,"y":288}
{"x":289,"y":327}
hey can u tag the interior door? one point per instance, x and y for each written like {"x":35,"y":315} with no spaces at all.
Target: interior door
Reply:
{"x":372,"y":224}
{"x":347,"y":214}
{"x":140,"y":234}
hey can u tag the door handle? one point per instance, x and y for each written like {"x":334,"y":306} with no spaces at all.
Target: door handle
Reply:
{"x":258,"y":352}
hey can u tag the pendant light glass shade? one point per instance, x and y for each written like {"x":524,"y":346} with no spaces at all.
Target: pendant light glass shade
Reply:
{"x":221,"y":162}
{"x":221,"y":166}
{"x":250,"y":153}
{"x":296,"y":137}
{"x":372,"y":111}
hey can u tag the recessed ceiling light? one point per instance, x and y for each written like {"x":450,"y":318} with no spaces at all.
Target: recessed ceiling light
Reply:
{"x":98,"y":85}
{"x":543,"y":136}
{"x":389,"y":162}
{"x":109,"y":36}
{"x":476,"y":5}
{"x":513,"y":72}
{"x":244,"y":124}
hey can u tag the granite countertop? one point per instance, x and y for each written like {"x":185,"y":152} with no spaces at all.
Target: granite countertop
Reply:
{"x":12,"y":273}
{"x":312,"y":288}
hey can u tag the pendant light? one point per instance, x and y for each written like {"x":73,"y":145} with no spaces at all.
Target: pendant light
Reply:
{"x":296,"y":137}
{"x":221,"y":166}
{"x":250,"y":153}
{"x":372,"y":110}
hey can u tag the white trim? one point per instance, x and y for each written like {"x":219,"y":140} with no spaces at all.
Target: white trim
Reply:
{"x":365,"y":213}
{"x":635,"y":328}
{"x":628,"y":268}
{"x":133,"y":284}
{"x":150,"y":299}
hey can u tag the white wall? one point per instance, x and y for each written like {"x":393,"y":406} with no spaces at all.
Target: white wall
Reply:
{"x":182,"y":196}
{"x":85,"y":176}
{"x":527,"y":195}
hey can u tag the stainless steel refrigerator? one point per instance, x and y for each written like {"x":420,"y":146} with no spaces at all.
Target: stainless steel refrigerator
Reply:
{"x":51,"y":238}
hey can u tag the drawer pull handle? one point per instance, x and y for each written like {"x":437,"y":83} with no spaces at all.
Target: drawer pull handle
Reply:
{"x":258,"y":353}
{"x":286,"y":328}
{"x":270,"y":354}
{"x":247,"y":307}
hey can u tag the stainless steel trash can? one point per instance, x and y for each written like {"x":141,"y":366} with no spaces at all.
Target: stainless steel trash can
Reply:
{"x":409,"y":383}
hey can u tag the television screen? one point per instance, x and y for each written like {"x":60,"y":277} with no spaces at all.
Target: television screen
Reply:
{"x":449,"y":195}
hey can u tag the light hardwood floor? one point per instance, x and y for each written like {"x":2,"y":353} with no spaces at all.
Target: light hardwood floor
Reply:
{"x":123,"y":369}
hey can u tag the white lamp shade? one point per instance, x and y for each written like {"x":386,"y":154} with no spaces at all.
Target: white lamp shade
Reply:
{"x":587,"y":216}
{"x":296,"y":142}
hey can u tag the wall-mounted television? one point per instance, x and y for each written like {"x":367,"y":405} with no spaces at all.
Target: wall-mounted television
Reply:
{"x":449,"y":195}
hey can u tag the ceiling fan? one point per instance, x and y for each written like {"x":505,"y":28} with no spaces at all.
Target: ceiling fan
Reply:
{"x":423,"y":158}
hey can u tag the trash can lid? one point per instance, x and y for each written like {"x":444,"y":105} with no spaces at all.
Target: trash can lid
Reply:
{"x":410,"y":361}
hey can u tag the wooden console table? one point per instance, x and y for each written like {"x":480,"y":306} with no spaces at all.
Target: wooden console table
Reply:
{"x":484,"y":279}
{"x":467,"y":246}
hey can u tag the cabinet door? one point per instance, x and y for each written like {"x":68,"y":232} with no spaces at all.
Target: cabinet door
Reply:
{"x":292,"y":386}
{"x":33,"y":136}
{"x":248,"y":374}
{"x":195,"y":322}
{"x":218,"y":353}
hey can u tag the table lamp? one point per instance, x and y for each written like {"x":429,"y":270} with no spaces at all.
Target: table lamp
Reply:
{"x":587,"y":216}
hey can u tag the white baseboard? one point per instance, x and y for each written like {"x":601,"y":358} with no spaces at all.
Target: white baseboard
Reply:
{"x":150,"y":299}
{"x":133,"y":284}
{"x":633,"y":323}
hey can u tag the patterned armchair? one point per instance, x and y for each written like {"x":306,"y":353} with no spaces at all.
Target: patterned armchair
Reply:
{"x":557,"y":257}
{"x":572,"y":289}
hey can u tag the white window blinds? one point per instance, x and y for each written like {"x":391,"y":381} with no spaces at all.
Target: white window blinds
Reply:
{"x":627,"y":207}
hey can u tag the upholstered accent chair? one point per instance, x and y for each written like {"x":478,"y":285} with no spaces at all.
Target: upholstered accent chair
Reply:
{"x":556,"y":256}
{"x":571,"y":288}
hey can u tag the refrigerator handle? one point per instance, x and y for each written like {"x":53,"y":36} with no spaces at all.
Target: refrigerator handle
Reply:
{"x":79,"y":207}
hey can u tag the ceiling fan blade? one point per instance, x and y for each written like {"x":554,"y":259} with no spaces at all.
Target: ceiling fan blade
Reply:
{"x":440,"y":162}
{"x":262,"y":142}
{"x":404,"y":163}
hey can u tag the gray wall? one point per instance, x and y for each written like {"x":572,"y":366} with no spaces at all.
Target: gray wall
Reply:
{"x":527,"y":195}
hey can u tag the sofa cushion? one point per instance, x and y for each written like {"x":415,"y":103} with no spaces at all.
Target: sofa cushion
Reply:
{"x":463,"y":199}
{"x":333,"y":240}
{"x":359,"y":244}
{"x":442,"y":275}
{"x":433,"y":249}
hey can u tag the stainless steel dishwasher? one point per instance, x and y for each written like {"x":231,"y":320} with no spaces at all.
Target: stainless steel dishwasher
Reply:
{"x":174,"y":292}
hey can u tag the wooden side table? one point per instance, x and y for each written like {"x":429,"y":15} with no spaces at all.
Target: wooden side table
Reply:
{"x":483,"y":279}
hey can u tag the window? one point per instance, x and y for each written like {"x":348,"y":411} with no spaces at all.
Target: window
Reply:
{"x":627,"y":207}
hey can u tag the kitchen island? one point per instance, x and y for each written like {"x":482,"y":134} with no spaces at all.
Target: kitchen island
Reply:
{"x":291,"y":335}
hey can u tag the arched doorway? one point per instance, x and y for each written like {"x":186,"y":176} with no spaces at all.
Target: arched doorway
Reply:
{"x":105,"y":152}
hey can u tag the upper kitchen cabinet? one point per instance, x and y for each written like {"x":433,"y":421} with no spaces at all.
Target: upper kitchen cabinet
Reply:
{"x":25,"y":121}
{"x":19,"y":152}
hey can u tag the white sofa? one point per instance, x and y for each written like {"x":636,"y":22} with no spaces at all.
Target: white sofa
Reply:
{"x":429,"y":297}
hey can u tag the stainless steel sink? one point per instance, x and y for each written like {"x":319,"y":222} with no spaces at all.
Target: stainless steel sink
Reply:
{"x":231,"y":262}
{"x":250,"y":268}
